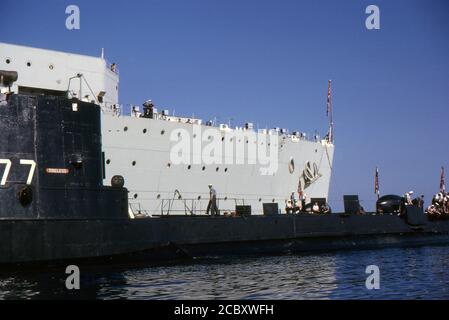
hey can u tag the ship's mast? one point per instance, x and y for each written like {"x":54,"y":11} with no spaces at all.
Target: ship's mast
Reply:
{"x":329,"y":112}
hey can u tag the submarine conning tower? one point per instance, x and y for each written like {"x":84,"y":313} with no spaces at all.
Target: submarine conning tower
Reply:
{"x":51,"y":164}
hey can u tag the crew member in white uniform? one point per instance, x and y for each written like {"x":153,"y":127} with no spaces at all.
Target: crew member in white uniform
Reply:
{"x":212,"y":206}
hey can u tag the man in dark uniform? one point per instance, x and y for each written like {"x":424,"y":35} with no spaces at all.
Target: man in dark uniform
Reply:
{"x":212,"y":206}
{"x":148,"y":109}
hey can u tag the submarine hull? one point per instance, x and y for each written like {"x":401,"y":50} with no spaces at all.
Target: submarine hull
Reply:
{"x":55,"y":209}
{"x":28,"y":242}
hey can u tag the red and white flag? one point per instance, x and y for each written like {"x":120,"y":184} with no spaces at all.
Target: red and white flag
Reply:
{"x":376,"y":183}
{"x":442,"y":184}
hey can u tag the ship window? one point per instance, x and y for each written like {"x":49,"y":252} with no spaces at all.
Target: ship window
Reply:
{"x":144,"y":130}
{"x":222,"y":138}
{"x":134,"y":163}
{"x":199,"y":197}
{"x":158,"y":196}
{"x":8,"y":61}
{"x":189,"y":167}
{"x":204,"y":168}
{"x":260,"y":199}
{"x":168,"y":165}
{"x":226,"y":169}
{"x":162,"y":132}
{"x":226,"y":198}
{"x":51,"y":67}
{"x":135,"y":196}
{"x":28,"y":64}
{"x":125,"y":129}
{"x":273,"y":200}
{"x":108,"y":161}
{"x":217,"y":169}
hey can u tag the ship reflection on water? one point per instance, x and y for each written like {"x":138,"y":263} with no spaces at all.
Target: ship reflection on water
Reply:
{"x":414,"y":273}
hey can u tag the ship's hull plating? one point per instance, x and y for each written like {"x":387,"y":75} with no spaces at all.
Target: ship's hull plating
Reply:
{"x":165,"y":238}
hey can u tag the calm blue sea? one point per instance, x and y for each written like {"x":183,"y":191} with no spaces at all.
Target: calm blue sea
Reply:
{"x":412,"y":273}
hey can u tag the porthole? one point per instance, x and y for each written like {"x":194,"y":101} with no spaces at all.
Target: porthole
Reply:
{"x":222,"y":138}
{"x":179,"y":134}
{"x":273,"y":200}
{"x":162,"y":132}
{"x":108,"y":161}
{"x":51,"y":67}
{"x":135,"y":195}
{"x":260,"y":199}
{"x":194,"y":135}
{"x":8,"y":61}
{"x":189,"y":167}
{"x":316,"y":150}
{"x":168,"y":165}
{"x":133,"y":163}
{"x":199,"y":197}
{"x":158,"y":196}
{"x":125,"y":129}
{"x":226,"y":198}
{"x":28,"y":64}
{"x":217,"y":169}
{"x":204,"y":168}
{"x":226,"y":169}
{"x":144,"y":131}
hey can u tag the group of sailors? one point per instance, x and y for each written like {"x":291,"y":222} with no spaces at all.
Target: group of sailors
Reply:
{"x":148,"y":110}
{"x":302,"y":206}
{"x":440,"y":206}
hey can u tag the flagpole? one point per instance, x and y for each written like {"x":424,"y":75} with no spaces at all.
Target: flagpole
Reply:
{"x":329,"y":111}
{"x":376,"y":183}
{"x":442,"y":183}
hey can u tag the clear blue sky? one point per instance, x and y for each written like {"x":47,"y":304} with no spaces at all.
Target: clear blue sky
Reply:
{"x":269,"y":61}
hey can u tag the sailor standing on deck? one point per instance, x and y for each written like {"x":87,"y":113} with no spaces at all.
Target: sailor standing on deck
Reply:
{"x":408,"y":197}
{"x":212,"y":206}
{"x":148,"y":109}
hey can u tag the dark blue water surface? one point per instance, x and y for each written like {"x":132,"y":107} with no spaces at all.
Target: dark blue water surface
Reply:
{"x":412,"y":273}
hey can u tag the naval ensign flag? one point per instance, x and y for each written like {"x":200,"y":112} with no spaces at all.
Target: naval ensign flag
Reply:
{"x":376,"y":183}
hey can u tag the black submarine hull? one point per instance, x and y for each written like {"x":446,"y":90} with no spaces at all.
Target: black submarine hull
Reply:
{"x":46,"y":242}
{"x":55,"y":209}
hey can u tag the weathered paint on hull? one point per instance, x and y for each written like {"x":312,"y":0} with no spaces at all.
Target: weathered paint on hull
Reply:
{"x":165,"y":238}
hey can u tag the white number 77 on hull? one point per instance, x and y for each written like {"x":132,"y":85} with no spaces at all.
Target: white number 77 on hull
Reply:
{"x":7,"y":162}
